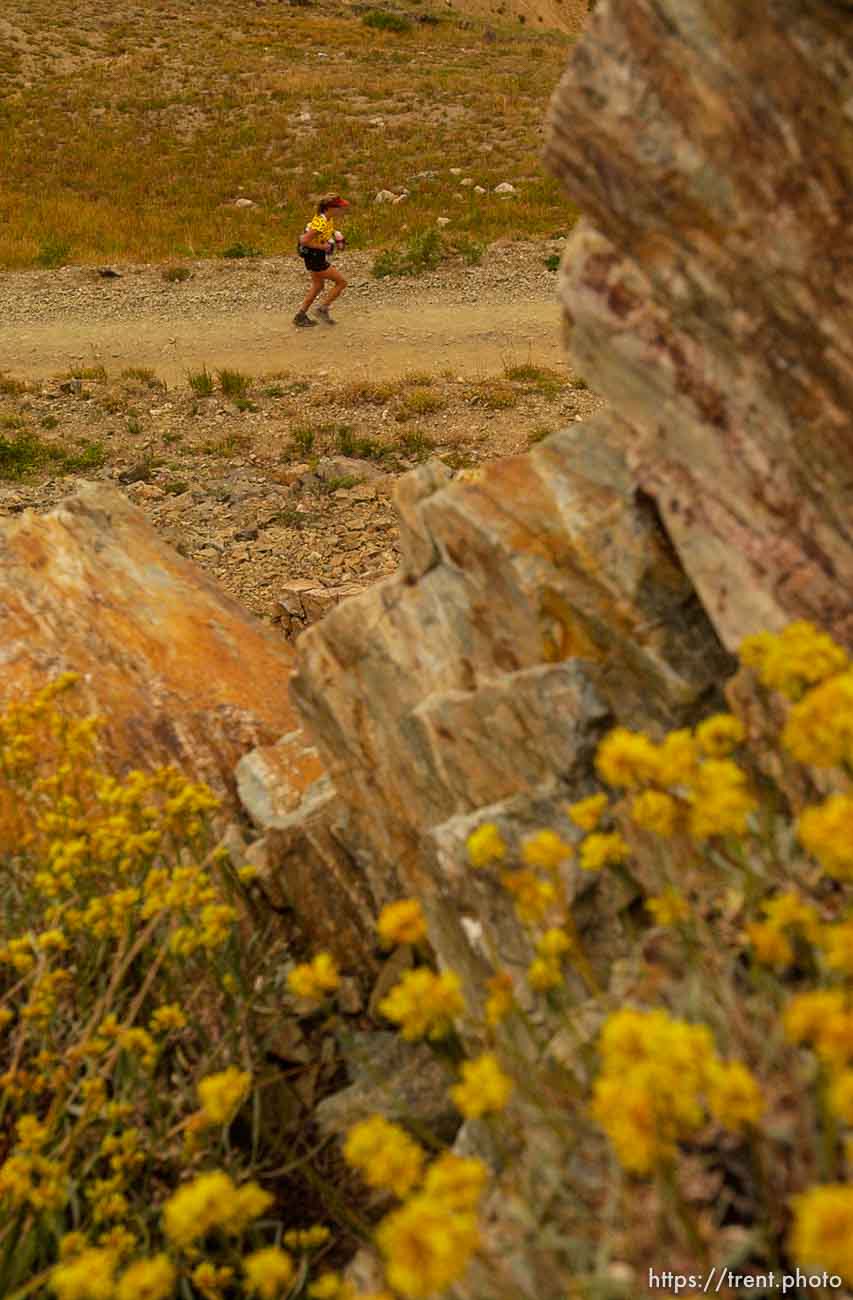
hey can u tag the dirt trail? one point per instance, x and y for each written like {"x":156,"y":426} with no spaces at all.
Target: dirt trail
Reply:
{"x":470,"y":320}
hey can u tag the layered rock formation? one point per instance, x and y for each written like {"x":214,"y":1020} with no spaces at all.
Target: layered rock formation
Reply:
{"x":533,"y":605}
{"x":708,"y":294}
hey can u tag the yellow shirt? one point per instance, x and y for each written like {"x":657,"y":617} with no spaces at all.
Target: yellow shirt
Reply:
{"x":322,"y":224}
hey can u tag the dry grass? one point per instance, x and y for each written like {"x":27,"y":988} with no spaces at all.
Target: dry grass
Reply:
{"x":130,"y":133}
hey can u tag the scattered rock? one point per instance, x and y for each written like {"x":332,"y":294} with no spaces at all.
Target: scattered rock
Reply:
{"x":442,"y":221}
{"x":505,"y":188}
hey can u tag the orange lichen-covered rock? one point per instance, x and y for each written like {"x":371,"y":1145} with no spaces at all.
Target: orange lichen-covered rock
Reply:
{"x":177,"y":670}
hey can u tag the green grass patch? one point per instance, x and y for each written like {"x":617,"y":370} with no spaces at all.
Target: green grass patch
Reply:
{"x":201,"y":382}
{"x":381,"y":20}
{"x":25,"y":453}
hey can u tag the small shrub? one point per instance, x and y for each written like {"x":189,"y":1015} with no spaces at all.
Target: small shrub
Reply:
{"x":415,"y":444}
{"x":345,"y":440}
{"x":10,"y":387}
{"x":176,"y":487}
{"x":176,"y":274}
{"x":580,"y":385}
{"x":21,"y":455}
{"x":142,"y":375}
{"x":470,"y":250}
{"x":424,"y":252}
{"x":26,"y":453}
{"x":552,"y":262}
{"x":94,"y":374}
{"x":366,"y":392}
{"x":493,"y":396}
{"x":49,"y":422}
{"x":245,"y":404}
{"x":53,"y":252}
{"x":303,"y":438}
{"x":134,"y":427}
{"x":420,"y":401}
{"x":92,"y":455}
{"x":201,"y":382}
{"x":383,"y":21}
{"x":240,"y":249}
{"x":233,"y":382}
{"x":227,"y":446}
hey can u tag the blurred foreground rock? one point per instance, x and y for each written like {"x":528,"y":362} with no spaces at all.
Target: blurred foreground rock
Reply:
{"x":179,"y":672}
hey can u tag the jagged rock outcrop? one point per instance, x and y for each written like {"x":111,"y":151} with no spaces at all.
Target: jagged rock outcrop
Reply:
{"x":533,"y":605}
{"x":708,"y":294}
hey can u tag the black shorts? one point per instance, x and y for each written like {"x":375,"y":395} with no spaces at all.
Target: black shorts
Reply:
{"x":315,"y":259}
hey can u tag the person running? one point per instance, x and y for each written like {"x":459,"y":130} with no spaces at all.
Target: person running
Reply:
{"x":318,"y":239}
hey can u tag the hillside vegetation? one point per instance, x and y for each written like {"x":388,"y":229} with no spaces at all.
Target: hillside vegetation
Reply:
{"x":130,"y":132}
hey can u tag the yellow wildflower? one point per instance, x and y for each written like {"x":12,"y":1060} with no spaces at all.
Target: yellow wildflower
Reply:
{"x":484,"y":1087}
{"x":501,"y":999}
{"x":198,"y":1206}
{"x":532,"y":895}
{"x":456,"y":1181}
{"x":793,"y":659}
{"x":119,"y":1240}
{"x":326,"y":1287}
{"x":72,"y":1244}
{"x":250,"y":1201}
{"x":807,"y":1014}
{"x":772,"y":946}
{"x":826,"y":831}
{"x":718,"y":735}
{"x":587,"y":813}
{"x":269,"y":1272}
{"x":147,"y":1279}
{"x":822,"y":1232}
{"x":210,"y":1280}
{"x":668,"y":908}
{"x":384,"y":1154}
{"x":307,"y":1238}
{"x":426,"y":1245}
{"x":819,"y":729}
{"x":553,"y":943}
{"x":485,"y":845}
{"x":222,"y":1094}
{"x":313,"y":979}
{"x":87,"y":1276}
{"x":841,"y":1096}
{"x":789,"y":909}
{"x":169,"y":1016}
{"x":654,"y":811}
{"x":600,"y":850}
{"x":626,"y":758}
{"x":734,"y":1097}
{"x":545,"y":849}
{"x":424,"y":1004}
{"x":721,"y":801}
{"x":677,"y":759}
{"x":647,"y":1096}
{"x":544,"y":973}
{"x":31,"y":1134}
{"x":836,"y":942}
{"x":402,"y":922}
